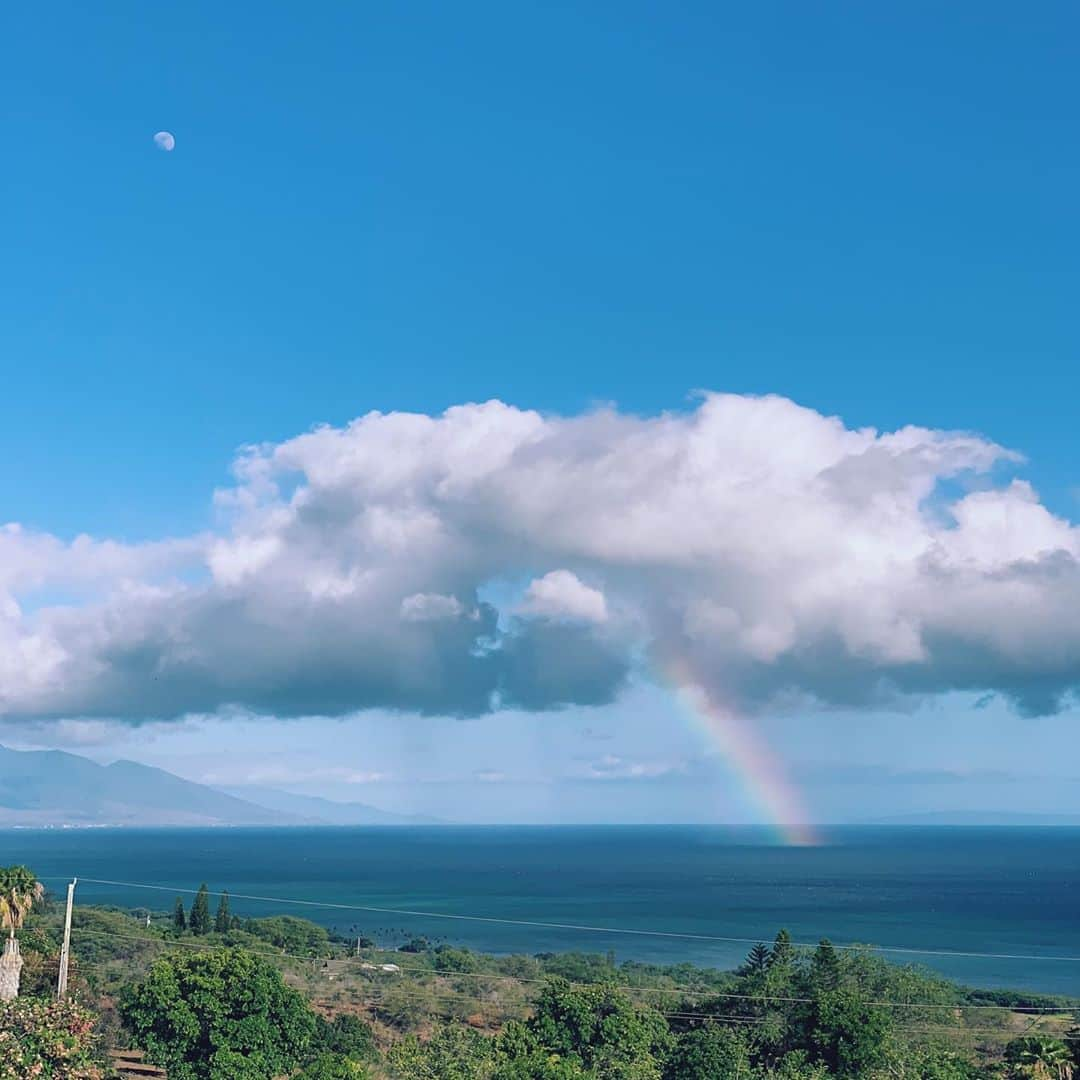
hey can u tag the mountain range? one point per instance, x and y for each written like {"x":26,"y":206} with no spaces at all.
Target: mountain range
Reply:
{"x":53,"y":787}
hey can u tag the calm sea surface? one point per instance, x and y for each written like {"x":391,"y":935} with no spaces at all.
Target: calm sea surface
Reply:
{"x":970,"y":890}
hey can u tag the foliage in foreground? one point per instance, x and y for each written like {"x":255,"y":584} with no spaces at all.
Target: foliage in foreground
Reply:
{"x":785,"y":1014}
{"x":19,"y":891}
{"x":785,"y":1018}
{"x":221,"y":1015}
{"x":50,"y":1040}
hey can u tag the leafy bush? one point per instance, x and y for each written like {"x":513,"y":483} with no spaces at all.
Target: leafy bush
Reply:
{"x":296,"y":936}
{"x":222,"y":1015}
{"x":333,"y":1067}
{"x":454,"y":1052}
{"x":347,"y":1035}
{"x":707,"y":1052}
{"x":458,"y":960}
{"x":52,"y":1040}
{"x":601,"y":1028}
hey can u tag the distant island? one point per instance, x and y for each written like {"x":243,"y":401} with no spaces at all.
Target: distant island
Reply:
{"x":978,"y":818}
{"x":41,"y":788}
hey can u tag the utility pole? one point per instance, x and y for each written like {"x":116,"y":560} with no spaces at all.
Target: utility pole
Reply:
{"x":65,"y":951}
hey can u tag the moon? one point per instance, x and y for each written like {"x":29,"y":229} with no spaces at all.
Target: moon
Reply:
{"x":164,"y":140}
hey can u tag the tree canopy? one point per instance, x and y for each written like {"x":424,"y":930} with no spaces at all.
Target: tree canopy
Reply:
{"x":19,"y":890}
{"x":223,"y":920}
{"x":198,"y":1015}
{"x":199,"y":922}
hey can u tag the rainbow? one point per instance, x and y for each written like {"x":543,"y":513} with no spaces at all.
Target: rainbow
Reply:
{"x":759,"y":770}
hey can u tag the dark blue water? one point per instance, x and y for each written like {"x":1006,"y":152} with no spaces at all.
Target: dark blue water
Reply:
{"x":992,"y":890}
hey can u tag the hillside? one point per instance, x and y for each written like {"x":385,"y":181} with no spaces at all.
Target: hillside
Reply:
{"x":404,"y":1008}
{"x":326,"y":811}
{"x":52,"y":787}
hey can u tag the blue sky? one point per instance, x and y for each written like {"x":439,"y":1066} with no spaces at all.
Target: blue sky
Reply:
{"x":869,"y":211}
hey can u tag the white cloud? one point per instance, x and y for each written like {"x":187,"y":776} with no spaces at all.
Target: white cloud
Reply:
{"x":613,"y":767}
{"x":562,"y":595}
{"x":424,"y":607}
{"x":765,"y":547}
{"x":258,"y":774}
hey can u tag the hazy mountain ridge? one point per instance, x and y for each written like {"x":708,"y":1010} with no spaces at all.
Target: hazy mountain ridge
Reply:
{"x":327,"y":811}
{"x":53,"y":787}
{"x":985,"y":818}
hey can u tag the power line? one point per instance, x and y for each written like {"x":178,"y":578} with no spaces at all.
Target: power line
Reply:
{"x":900,"y":949}
{"x":682,"y":990}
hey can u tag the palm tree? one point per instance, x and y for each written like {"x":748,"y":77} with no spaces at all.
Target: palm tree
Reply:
{"x":19,"y":889}
{"x":1039,"y":1057}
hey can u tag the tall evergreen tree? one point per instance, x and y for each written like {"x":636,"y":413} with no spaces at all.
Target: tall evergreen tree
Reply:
{"x":222,"y":920}
{"x":782,"y":954}
{"x":825,"y":966}
{"x":757,"y":961}
{"x":200,"y":912}
{"x":179,"y":918}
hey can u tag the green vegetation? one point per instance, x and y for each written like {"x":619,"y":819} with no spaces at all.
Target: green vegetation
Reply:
{"x":19,"y":891}
{"x":199,"y":919}
{"x":223,"y":920}
{"x":47,"y":1039}
{"x":201,"y":1013}
{"x":279,"y":997}
{"x":289,"y":934}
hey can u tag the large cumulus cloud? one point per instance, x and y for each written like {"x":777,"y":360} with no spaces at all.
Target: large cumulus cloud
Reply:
{"x":768,"y":549}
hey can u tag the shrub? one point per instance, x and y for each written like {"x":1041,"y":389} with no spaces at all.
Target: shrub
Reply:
{"x":52,"y":1040}
{"x":222,"y":1015}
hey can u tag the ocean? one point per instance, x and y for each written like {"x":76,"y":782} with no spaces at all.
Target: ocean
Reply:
{"x":991,"y":906}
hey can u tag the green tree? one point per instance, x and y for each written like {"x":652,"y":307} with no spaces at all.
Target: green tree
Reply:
{"x":782,"y":953}
{"x":600,"y":1027}
{"x":220,"y":1015}
{"x":711,"y":1052}
{"x":519,"y":1056}
{"x":453,"y":1052}
{"x":19,"y":891}
{"x":825,"y":967}
{"x":47,"y":1039}
{"x":233,"y":1065}
{"x":540,"y":1065}
{"x":290,"y":934}
{"x":200,"y":912}
{"x":849,"y":1035}
{"x":932,"y":1063}
{"x":1039,"y":1057}
{"x":179,"y":918}
{"x":333,"y":1067}
{"x":346,"y":1034}
{"x":794,"y":1066}
{"x":223,"y":920}
{"x":757,"y":961}
{"x":447,"y":959}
